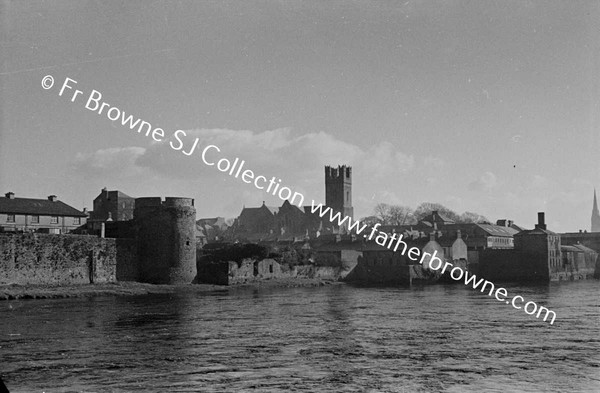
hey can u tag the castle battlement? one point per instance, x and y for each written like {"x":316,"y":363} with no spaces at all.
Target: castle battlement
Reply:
{"x":340,"y":171}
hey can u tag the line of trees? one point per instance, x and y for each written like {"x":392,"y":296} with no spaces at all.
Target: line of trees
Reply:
{"x":386,"y":214}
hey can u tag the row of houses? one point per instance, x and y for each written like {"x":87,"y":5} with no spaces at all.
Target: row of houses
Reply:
{"x":39,"y":215}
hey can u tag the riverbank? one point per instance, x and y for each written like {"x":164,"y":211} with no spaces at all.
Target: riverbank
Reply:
{"x":129,"y":288}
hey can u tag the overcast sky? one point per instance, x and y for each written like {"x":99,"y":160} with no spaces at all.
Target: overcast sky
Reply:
{"x":490,"y":107}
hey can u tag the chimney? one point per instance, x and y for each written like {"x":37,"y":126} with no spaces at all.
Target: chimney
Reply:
{"x":10,"y":195}
{"x":501,"y":223}
{"x":52,"y":198}
{"x":541,"y":221}
{"x":105,"y":192}
{"x":432,"y":236}
{"x":458,"y":234}
{"x":510,"y":223}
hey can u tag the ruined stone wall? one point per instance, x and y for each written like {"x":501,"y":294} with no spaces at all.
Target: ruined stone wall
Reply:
{"x":61,"y":259}
{"x":575,"y":266}
{"x":252,"y":270}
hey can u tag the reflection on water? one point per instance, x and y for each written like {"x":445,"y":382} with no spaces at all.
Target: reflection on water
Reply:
{"x":326,"y":339}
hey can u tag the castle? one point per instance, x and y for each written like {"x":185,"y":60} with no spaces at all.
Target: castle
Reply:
{"x":156,"y":245}
{"x":289,"y":222}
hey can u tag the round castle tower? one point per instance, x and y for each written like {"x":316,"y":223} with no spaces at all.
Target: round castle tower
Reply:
{"x":166,"y":239}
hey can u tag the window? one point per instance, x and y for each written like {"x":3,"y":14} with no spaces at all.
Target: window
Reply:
{"x":54,"y":220}
{"x":10,"y":218}
{"x":76,"y":221}
{"x":35,"y":219}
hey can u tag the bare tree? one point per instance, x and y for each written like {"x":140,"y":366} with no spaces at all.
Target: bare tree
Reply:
{"x":394,"y":214}
{"x":470,"y":217}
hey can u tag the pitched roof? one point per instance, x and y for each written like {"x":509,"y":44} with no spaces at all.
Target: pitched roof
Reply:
{"x":535,"y":231}
{"x":564,"y":248}
{"x":497,"y":230}
{"x":272,"y":209}
{"x":436,"y":217}
{"x":583,"y":248}
{"x":38,"y":207}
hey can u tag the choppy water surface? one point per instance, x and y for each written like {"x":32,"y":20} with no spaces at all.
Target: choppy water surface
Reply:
{"x":326,"y":339}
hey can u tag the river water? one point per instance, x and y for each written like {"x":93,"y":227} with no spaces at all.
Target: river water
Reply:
{"x":324,"y":339}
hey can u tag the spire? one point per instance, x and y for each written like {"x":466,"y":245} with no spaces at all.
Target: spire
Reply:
{"x":595,"y":215}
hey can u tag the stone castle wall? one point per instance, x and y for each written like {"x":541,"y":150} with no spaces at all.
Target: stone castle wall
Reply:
{"x":43,"y":259}
{"x":165,"y":232}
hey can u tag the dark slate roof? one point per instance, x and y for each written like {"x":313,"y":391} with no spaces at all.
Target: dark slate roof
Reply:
{"x":535,"y":231}
{"x":430,"y":218}
{"x":38,"y":207}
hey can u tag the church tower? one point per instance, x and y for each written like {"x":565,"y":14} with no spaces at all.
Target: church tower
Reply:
{"x":595,"y":215}
{"x":338,"y":190}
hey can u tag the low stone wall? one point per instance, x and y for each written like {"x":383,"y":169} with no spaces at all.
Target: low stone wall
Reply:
{"x":63,"y":259}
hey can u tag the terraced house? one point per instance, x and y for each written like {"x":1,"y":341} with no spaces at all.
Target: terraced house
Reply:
{"x":38,"y":215}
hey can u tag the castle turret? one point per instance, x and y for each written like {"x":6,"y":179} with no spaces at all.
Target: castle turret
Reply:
{"x":166,"y":240}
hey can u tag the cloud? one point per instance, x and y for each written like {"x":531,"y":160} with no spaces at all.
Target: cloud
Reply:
{"x":433,"y":162}
{"x":486,"y":182}
{"x":297,"y":159}
{"x":279,"y":152}
{"x":121,"y":160}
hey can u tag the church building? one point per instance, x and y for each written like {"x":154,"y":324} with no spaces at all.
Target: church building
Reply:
{"x":289,"y":222}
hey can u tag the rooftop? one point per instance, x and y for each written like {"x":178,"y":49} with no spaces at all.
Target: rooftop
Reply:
{"x":39,"y":207}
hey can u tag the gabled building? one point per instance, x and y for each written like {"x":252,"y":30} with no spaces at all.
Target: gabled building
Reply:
{"x":257,"y":220}
{"x":38,"y":215}
{"x":112,"y":206}
{"x":541,"y":247}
